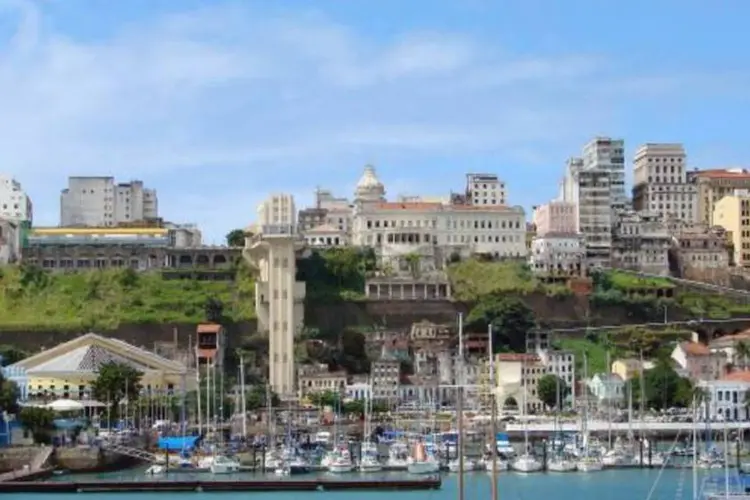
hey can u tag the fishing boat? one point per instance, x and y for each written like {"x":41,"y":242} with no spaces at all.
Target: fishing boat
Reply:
{"x":422,"y":463}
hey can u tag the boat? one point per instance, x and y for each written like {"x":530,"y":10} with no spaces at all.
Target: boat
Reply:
{"x":398,"y":456}
{"x":589,"y":464}
{"x":526,"y":463}
{"x":455,"y":465}
{"x":370,"y":463}
{"x":155,"y":470}
{"x":283,"y":470}
{"x":561,"y":464}
{"x":224,"y":465}
{"x":341,"y":464}
{"x":500,"y":465}
{"x":422,"y":463}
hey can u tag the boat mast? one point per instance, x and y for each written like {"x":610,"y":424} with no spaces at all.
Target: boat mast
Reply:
{"x":695,"y":447}
{"x":493,"y":414}
{"x":460,"y":407}
{"x":243,"y":402}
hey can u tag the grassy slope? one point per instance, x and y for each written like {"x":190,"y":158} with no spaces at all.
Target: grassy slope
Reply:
{"x":103,"y":299}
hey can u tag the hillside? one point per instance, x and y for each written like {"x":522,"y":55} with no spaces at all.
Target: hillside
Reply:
{"x":31,"y":299}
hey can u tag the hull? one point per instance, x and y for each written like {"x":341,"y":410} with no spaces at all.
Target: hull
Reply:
{"x":589,"y":466}
{"x":469,"y":465}
{"x":427,"y":467}
{"x":224,"y":469}
{"x":527,"y":465}
{"x":370,"y":468}
{"x":500,"y":465}
{"x":562,"y":466}
{"x":340,"y":468}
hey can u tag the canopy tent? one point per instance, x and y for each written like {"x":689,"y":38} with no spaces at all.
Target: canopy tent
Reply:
{"x":65,"y":405}
{"x":178,"y":443}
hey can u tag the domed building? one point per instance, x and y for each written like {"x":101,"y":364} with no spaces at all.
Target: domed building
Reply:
{"x":369,"y":188}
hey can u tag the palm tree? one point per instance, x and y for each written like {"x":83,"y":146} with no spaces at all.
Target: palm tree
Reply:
{"x":741,"y":353}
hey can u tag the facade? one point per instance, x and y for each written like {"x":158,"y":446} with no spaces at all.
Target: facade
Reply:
{"x":660,"y":182}
{"x":608,"y":389}
{"x":67,"y":370}
{"x":608,"y":155}
{"x":15,"y":204}
{"x":326,"y":236}
{"x":698,"y":362}
{"x":101,"y":202}
{"x":641,"y":242}
{"x":517,"y":376}
{"x":317,"y":379}
{"x":726,"y":398}
{"x":628,"y":368}
{"x":279,"y":298}
{"x":701,"y":250}
{"x":210,"y":344}
{"x":386,"y":377}
{"x":555,"y":217}
{"x":713,"y":185}
{"x":558,"y":254}
{"x":485,"y":189}
{"x":10,"y":241}
{"x":732,"y":213}
{"x":561,"y":364}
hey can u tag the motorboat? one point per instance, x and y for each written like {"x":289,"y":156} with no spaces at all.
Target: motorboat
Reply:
{"x":341,"y":464}
{"x":224,"y":465}
{"x":561,"y":464}
{"x":155,"y":470}
{"x":422,"y":463}
{"x":370,"y":463}
{"x":455,"y":465}
{"x":589,"y":464}
{"x":526,"y":463}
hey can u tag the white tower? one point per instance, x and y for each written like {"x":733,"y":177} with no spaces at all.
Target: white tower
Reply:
{"x":278,"y":296}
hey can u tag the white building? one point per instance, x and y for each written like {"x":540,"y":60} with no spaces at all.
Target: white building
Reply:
{"x":15,"y":204}
{"x":516,"y":378}
{"x":660,"y":182}
{"x":608,"y":389}
{"x":100,"y":202}
{"x":562,"y":364}
{"x":555,"y":217}
{"x":558,"y":253}
{"x":385,"y":375}
{"x":326,"y":236}
{"x":726,"y":398}
{"x":279,"y":298}
{"x":641,"y":242}
{"x":358,"y":391}
{"x":606,"y":154}
{"x":485,"y":189}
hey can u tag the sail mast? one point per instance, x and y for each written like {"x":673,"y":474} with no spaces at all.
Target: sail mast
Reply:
{"x":493,"y":414}
{"x":460,"y":407}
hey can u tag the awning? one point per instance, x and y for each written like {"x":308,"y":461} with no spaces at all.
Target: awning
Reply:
{"x":178,"y":443}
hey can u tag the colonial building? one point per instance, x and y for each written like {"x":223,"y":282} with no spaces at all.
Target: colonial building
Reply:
{"x":698,"y":362}
{"x":558,"y":254}
{"x":641,"y":242}
{"x":315,"y":379}
{"x":726,"y":398}
{"x":700,"y":251}
{"x":555,"y":217}
{"x":732,"y":213}
{"x":516,"y":378}
{"x":713,"y":185}
{"x":385,"y":374}
{"x":608,"y":389}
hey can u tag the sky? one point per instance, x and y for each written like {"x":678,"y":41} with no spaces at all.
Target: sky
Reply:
{"x":217,"y":104}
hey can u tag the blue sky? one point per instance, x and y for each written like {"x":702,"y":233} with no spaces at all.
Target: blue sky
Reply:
{"x":218,"y":103}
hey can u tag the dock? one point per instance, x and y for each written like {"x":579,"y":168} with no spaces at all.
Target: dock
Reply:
{"x":432,"y":483}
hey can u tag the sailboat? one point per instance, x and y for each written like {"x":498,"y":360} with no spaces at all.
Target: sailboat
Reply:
{"x":527,"y":462}
{"x":422,"y":463}
{"x":589,"y":462}
{"x":369,"y":461}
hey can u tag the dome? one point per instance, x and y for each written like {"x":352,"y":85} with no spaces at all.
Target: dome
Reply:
{"x":369,"y":187}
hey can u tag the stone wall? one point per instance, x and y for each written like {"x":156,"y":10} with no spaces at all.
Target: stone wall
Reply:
{"x":15,"y":458}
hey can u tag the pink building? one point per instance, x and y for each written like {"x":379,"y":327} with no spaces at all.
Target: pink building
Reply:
{"x":556,"y":217}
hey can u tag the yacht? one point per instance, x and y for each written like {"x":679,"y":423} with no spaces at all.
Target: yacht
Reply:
{"x":422,"y":463}
{"x":614,"y":458}
{"x":224,"y":465}
{"x":500,"y":465}
{"x":589,"y":463}
{"x":340,"y":464}
{"x":526,"y":463}
{"x":398,"y":455}
{"x":561,"y":464}
{"x":370,"y":463}
{"x":455,"y":466}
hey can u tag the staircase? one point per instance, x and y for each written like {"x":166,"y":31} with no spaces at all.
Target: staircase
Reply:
{"x":129,"y":451}
{"x":41,"y":458}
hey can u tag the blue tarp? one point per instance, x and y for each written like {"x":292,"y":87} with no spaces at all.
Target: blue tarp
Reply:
{"x":178,"y":443}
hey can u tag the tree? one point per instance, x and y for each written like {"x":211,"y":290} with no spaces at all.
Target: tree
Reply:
{"x":10,"y":354}
{"x":511,"y":321}
{"x":255,"y":398}
{"x":741,"y":354}
{"x":115,"y":382}
{"x":413,"y":261}
{"x":663,"y":388}
{"x":214,"y":310}
{"x":39,"y":421}
{"x":9,"y":395}
{"x":326,"y":398}
{"x":551,"y":390}
{"x":236,"y":238}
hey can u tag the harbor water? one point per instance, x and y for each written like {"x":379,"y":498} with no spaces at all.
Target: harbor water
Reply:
{"x":610,"y":484}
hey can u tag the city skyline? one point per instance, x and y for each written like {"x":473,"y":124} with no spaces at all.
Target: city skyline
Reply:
{"x":215,"y":107}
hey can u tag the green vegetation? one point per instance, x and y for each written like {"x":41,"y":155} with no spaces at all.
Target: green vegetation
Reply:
{"x":336,"y":274}
{"x":708,"y":306}
{"x":627,"y":281}
{"x":552,"y":390}
{"x":511,"y":321}
{"x":103,"y":299}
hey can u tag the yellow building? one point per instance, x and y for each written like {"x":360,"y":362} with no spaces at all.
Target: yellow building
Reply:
{"x":714,"y":185}
{"x":67,"y":370}
{"x":733,"y":214}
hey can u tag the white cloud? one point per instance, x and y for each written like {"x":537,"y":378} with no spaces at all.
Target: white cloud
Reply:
{"x":268,"y":97}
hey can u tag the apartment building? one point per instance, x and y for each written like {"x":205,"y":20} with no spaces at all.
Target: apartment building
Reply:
{"x":101,"y":202}
{"x":15,"y":204}
{"x":660,"y":182}
{"x":558,"y":254}
{"x":555,"y":217}
{"x":641,"y":242}
{"x":485,"y":189}
{"x":608,"y":155}
{"x":732,"y":213}
{"x":713,"y":185}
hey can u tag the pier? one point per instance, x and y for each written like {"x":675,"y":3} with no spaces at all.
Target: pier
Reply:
{"x":665,"y":429}
{"x":433,"y":483}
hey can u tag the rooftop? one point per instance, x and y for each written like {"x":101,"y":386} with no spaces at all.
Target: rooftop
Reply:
{"x":695,"y":349}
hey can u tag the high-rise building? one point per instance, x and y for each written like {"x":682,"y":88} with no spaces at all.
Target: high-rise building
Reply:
{"x":608,"y":154}
{"x":15,"y":204}
{"x":485,"y":189}
{"x":713,"y":185}
{"x":555,"y":217}
{"x":660,"y":183}
{"x":278,"y":295}
{"x":100,"y":202}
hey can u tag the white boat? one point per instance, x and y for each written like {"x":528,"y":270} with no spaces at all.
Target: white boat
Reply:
{"x":421,"y":462}
{"x":589,"y":464}
{"x":500,"y":465}
{"x":283,"y":470}
{"x":455,"y":466}
{"x":340,"y":464}
{"x":370,"y":463}
{"x":614,"y":458}
{"x":398,"y":455}
{"x":155,"y":470}
{"x":224,"y":465}
{"x":561,"y":464}
{"x":526,"y":463}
